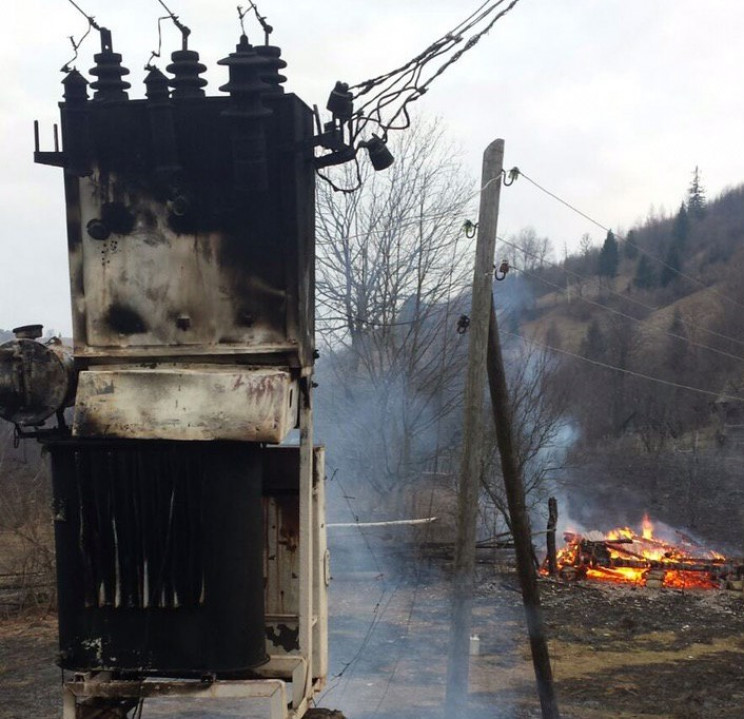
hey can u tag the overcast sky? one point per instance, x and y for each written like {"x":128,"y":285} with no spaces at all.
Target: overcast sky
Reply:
{"x":608,"y":103}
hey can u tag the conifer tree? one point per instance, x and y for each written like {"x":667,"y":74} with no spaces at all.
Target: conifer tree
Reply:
{"x":645,"y":277}
{"x":677,"y":344}
{"x":609,"y":257}
{"x":672,"y":265}
{"x":696,"y":196}
{"x":630,"y":248}
{"x":594,"y":343}
{"x":681,"y":227}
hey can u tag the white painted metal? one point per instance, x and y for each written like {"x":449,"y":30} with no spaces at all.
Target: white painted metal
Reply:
{"x":293,"y":668}
{"x":271,"y":689}
{"x":321,"y":572}
{"x":307,"y":515}
{"x":231,"y":403}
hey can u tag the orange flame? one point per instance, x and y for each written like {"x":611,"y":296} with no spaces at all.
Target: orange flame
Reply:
{"x":623,"y":556}
{"x":647,"y":528}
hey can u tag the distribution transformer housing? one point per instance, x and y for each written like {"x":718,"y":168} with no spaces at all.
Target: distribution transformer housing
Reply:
{"x":190,"y":535}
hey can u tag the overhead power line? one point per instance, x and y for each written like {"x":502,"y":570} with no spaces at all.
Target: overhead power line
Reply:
{"x":623,"y":296}
{"x":615,"y":368}
{"x":640,"y":249}
{"x":619,"y":313}
{"x":92,"y":24}
{"x":390,"y":94}
{"x":577,"y":275}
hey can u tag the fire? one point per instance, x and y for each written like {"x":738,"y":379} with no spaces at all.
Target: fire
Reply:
{"x":647,"y":528}
{"x":625,"y":556}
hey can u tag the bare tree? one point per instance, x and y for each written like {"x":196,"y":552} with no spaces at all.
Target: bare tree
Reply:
{"x":539,"y":399}
{"x":533,"y":252}
{"x":392,"y":261}
{"x":26,"y":536}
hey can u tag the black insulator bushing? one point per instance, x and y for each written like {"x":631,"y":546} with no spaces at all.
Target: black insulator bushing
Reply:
{"x":247,"y":70}
{"x":186,"y":69}
{"x":162,"y":128}
{"x":76,"y":137}
{"x":272,"y":77}
{"x":109,"y":71}
{"x":341,"y":102}
{"x":246,"y":113}
{"x":76,"y":88}
{"x":157,"y":85}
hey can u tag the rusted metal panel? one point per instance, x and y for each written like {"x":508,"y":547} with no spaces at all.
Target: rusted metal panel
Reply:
{"x":254,"y":405}
{"x":282,"y":572}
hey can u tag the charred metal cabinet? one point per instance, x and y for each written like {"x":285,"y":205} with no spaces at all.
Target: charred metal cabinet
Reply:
{"x":191,"y":552}
{"x":190,"y":589}
{"x":159,"y":556}
{"x":197,"y":290}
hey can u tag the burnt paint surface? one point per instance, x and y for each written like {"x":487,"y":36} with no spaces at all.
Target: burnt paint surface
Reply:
{"x":35,"y":380}
{"x":238,"y":263}
{"x":282,"y":556}
{"x":227,"y":402}
{"x":124,"y":320}
{"x":159,"y":556}
{"x":284,"y":636}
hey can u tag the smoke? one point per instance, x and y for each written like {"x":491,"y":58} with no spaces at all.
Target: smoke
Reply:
{"x":392,"y":441}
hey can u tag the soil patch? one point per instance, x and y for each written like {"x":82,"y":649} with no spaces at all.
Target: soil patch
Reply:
{"x":617,"y":652}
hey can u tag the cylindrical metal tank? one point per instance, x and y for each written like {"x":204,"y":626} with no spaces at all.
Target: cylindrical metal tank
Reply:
{"x":36,"y":380}
{"x":159,"y":556}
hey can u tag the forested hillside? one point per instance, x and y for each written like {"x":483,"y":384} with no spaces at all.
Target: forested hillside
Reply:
{"x":649,"y":330}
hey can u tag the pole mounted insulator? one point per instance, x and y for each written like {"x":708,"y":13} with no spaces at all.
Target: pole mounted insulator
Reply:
{"x":109,"y":71}
{"x":186,"y":70}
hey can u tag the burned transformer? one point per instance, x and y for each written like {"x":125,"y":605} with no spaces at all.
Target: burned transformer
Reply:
{"x":190,"y":542}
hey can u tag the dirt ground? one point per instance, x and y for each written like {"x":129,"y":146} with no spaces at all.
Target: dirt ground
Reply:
{"x":617,"y":652}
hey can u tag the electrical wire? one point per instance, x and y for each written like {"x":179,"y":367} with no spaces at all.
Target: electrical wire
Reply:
{"x":76,"y":45}
{"x":397,"y":88}
{"x":261,"y":20}
{"x":414,"y":599}
{"x":435,"y":216}
{"x":676,"y":271}
{"x":578,"y":275}
{"x":376,"y":612}
{"x":605,"y":365}
{"x":619,"y":313}
{"x":185,"y":31}
{"x":156,"y":53}
{"x":89,"y":18}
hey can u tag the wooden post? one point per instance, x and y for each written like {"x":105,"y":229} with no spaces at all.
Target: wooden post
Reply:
{"x":520,"y":523}
{"x":472,"y":450}
{"x":550,"y":537}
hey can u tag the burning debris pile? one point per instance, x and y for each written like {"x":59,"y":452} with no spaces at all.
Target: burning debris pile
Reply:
{"x":624,"y":556}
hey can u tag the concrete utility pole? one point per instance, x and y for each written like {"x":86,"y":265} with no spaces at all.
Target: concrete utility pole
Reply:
{"x":472,"y":451}
{"x":520,"y":522}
